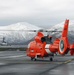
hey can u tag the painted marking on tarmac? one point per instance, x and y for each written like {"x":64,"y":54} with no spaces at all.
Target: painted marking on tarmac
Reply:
{"x":13,"y":56}
{"x":2,"y":63}
{"x":68,"y":61}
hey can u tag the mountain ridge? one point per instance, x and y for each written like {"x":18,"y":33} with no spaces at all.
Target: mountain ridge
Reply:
{"x":12,"y":36}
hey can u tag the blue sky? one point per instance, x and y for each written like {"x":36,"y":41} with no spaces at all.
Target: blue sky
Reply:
{"x":38,"y":12}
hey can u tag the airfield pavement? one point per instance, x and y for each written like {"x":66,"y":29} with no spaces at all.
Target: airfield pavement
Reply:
{"x":17,"y":63}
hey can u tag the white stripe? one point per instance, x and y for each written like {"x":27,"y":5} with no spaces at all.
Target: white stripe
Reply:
{"x":47,"y":48}
{"x":2,"y":63}
{"x":13,"y":56}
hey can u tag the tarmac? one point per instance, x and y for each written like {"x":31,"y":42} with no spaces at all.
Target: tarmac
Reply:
{"x":17,"y":63}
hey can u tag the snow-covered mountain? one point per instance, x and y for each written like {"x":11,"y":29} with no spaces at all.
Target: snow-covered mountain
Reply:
{"x":59,"y":27}
{"x":14,"y":33}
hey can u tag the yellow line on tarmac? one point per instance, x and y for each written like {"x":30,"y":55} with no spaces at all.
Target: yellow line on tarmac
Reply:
{"x":68,"y":61}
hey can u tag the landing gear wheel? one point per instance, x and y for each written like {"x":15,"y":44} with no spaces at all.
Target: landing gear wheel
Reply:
{"x":32,"y":59}
{"x":51,"y":59}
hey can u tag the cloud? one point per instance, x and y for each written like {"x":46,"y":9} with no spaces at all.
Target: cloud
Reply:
{"x":39,"y":12}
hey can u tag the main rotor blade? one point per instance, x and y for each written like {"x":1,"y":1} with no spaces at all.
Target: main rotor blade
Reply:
{"x":34,"y":30}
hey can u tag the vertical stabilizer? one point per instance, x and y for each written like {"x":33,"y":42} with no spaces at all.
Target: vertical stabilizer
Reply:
{"x":65,"y":30}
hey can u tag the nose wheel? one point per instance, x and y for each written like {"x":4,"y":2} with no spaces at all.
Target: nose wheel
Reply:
{"x":51,"y":58}
{"x":33,"y":59}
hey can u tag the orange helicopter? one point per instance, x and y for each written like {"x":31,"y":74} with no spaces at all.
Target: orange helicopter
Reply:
{"x":42,"y":46}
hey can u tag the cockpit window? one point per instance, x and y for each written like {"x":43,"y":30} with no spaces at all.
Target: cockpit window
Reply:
{"x":46,"y":39}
